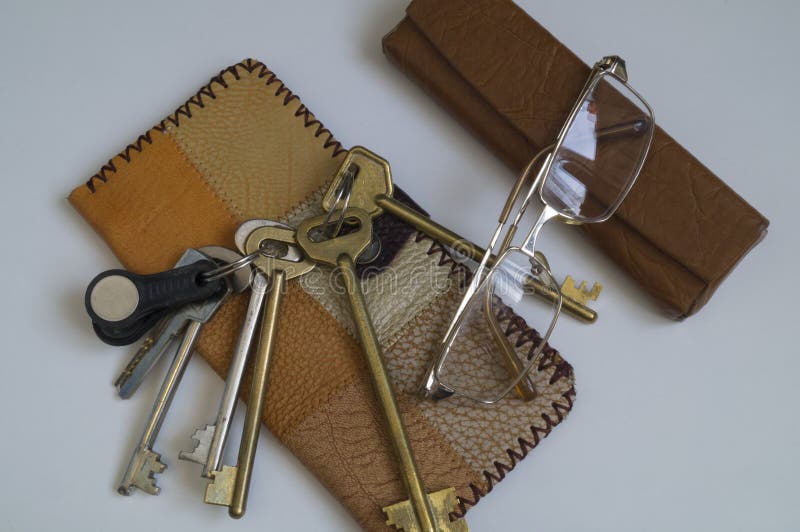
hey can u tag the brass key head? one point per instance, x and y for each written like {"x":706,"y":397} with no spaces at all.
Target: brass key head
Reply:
{"x":373,"y":178}
{"x":328,"y":250}
{"x":286,"y":258}
{"x":401,"y":515}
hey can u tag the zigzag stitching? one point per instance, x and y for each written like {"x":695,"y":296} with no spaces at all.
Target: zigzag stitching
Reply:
{"x":525,"y":446}
{"x":199,"y":101}
{"x":549,"y":358}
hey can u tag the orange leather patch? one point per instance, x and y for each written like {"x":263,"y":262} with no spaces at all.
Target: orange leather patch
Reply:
{"x":147,"y":219}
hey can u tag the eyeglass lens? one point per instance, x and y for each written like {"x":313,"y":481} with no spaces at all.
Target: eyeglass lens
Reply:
{"x":478,"y":362}
{"x":601,"y":153}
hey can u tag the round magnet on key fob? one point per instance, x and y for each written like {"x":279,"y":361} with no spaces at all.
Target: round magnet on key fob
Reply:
{"x":118,"y":301}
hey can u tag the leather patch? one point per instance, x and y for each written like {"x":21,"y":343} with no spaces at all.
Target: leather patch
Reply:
{"x":256,"y":123}
{"x":482,"y":433}
{"x":346,"y":446}
{"x":147,"y":220}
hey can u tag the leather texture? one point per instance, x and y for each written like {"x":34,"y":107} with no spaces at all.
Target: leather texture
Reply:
{"x":189,"y":181}
{"x":680,"y":231}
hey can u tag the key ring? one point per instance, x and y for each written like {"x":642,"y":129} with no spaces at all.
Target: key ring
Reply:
{"x":346,"y":184}
{"x":229,"y":269}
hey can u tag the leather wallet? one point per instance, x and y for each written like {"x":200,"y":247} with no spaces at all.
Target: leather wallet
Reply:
{"x":246,"y":147}
{"x":680,"y":231}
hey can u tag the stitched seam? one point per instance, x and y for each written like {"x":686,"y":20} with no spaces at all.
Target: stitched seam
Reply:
{"x":205,"y":183}
{"x":518,"y":331}
{"x":200,"y":100}
{"x":516,"y":455}
{"x":305,"y":204}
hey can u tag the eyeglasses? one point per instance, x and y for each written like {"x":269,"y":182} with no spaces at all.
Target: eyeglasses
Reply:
{"x":582,"y":178}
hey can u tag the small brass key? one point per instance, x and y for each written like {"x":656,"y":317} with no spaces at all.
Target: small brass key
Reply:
{"x":372,"y":191}
{"x":421,"y":512}
{"x":579,"y":292}
{"x":230,"y":484}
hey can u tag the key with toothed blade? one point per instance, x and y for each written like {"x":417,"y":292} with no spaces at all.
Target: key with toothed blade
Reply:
{"x":210,"y":440}
{"x":146,"y":463}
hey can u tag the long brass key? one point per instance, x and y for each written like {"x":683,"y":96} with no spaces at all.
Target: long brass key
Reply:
{"x":230,"y":484}
{"x":422,"y":512}
{"x":372,"y":191}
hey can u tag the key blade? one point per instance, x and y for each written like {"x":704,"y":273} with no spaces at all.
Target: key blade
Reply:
{"x":401,"y":515}
{"x":220,"y":489}
{"x":202,"y":445}
{"x":146,"y":358}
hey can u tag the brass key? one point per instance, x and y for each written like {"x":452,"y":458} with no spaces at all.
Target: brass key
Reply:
{"x":372,"y":191}
{"x":230,"y":484}
{"x":422,"y":511}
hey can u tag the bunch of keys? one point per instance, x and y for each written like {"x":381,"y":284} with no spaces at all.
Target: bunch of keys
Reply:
{"x":123,"y":306}
{"x":184,"y":299}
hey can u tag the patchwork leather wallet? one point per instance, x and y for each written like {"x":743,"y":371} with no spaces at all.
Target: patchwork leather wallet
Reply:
{"x":680,"y":231}
{"x":244,"y":146}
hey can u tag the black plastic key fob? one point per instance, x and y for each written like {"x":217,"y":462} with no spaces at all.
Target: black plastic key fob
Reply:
{"x":124,"y":305}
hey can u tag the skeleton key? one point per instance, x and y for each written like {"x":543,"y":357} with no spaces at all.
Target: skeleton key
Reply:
{"x":372,"y":191}
{"x":146,"y":463}
{"x":154,"y":347}
{"x":422,"y":511}
{"x":230,"y":484}
{"x":210,"y":440}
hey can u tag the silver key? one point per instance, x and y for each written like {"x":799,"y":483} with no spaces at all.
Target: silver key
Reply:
{"x":145,"y":463}
{"x":210,"y":440}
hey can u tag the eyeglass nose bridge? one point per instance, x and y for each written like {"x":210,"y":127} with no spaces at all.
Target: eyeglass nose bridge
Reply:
{"x":528,"y":246}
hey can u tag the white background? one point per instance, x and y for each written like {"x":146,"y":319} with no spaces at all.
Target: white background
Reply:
{"x":677,"y":426}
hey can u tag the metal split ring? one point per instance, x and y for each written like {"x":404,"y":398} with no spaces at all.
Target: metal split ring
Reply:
{"x":229,"y":269}
{"x":345,"y":189}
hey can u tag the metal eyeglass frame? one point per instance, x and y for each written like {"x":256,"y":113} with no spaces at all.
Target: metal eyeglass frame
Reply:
{"x":432,"y":386}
